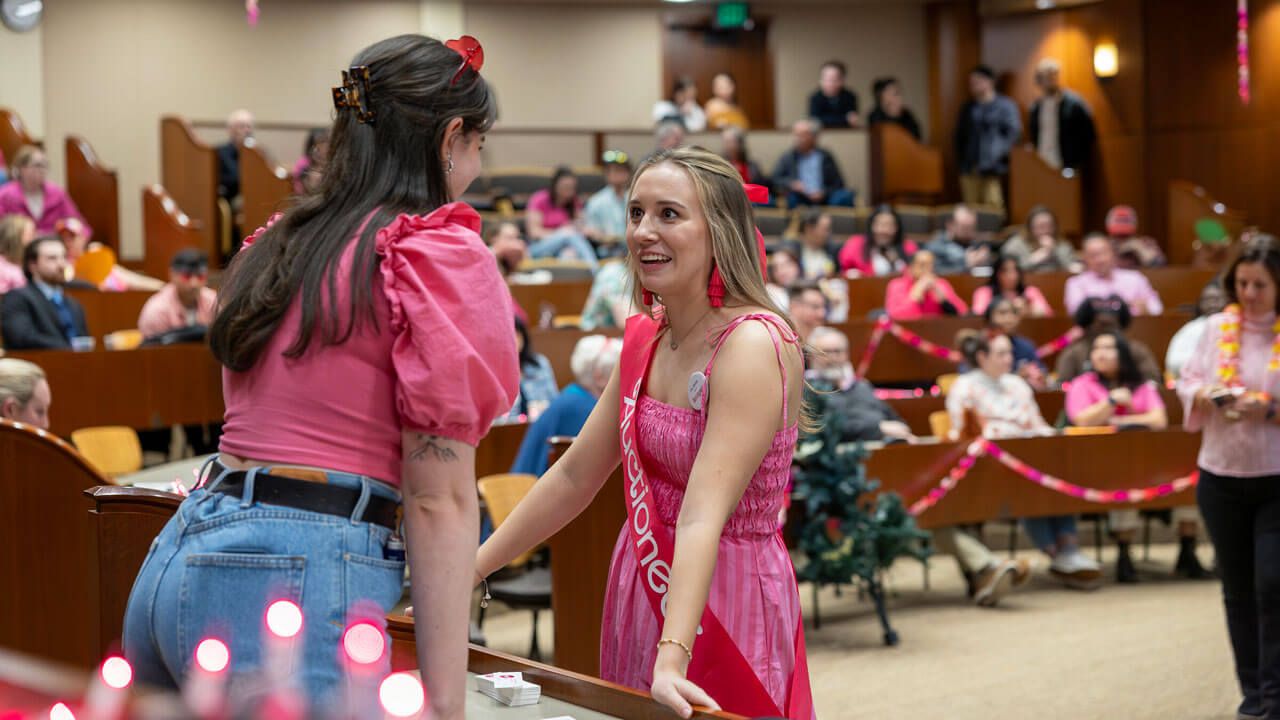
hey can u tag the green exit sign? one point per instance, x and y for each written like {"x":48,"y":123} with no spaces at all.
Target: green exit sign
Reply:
{"x":731,"y":14}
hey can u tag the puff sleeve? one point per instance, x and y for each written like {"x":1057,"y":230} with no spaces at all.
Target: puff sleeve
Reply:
{"x":454,"y":349}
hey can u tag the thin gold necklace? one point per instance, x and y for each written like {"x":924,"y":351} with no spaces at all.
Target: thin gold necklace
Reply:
{"x":676,"y":343}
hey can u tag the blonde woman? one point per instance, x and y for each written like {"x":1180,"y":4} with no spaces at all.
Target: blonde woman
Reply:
{"x":16,"y":231}
{"x":24,"y":393}
{"x":702,"y":606}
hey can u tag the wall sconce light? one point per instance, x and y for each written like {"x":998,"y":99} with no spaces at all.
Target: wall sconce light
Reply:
{"x":1105,"y":61}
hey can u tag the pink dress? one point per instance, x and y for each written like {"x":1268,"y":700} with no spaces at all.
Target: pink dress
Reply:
{"x":754,"y":585}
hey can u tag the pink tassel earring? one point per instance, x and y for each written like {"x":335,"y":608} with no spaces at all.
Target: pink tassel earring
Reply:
{"x":715,"y":288}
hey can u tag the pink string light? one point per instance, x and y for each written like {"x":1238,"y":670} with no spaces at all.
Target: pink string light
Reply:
{"x":1242,"y":49}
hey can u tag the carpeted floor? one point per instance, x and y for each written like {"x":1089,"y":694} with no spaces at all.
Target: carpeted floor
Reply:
{"x":1153,"y":650}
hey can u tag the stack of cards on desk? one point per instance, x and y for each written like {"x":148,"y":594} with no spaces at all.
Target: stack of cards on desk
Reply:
{"x":508,"y":688}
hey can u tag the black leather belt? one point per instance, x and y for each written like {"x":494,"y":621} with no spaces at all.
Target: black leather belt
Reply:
{"x":307,"y":495}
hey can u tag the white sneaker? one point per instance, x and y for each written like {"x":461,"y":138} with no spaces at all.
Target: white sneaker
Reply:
{"x":1076,"y":570}
{"x":998,"y":580}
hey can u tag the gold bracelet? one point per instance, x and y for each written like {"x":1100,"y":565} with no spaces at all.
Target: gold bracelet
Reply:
{"x":674,"y":641}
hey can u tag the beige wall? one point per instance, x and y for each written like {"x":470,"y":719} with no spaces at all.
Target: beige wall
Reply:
{"x":21,"y":76}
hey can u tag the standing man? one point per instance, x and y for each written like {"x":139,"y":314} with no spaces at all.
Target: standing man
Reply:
{"x":988,"y":126}
{"x":1060,"y":122}
{"x":833,"y":104}
{"x":41,"y":316}
{"x":239,"y":129}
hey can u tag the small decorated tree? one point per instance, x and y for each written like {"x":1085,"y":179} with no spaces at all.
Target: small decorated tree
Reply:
{"x":846,"y":537}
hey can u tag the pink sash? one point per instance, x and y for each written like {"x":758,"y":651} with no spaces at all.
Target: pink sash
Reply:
{"x":718,"y":666}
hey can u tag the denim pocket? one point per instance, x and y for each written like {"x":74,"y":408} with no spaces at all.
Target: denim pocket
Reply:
{"x":371,"y":579}
{"x":226,"y":594}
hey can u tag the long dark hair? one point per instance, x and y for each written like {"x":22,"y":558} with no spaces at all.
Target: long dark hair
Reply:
{"x":898,"y":247}
{"x":994,"y":280}
{"x":1127,"y":375}
{"x":1091,"y":308}
{"x":571,"y":206}
{"x":375,"y":171}
{"x":528,"y":358}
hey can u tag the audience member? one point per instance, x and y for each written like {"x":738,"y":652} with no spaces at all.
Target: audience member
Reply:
{"x":40,"y":316}
{"x":605,"y":214}
{"x":722,"y":108}
{"x":863,"y":416}
{"x":882,"y":251}
{"x":30,"y":193}
{"x":1003,"y":317}
{"x":1060,"y":122}
{"x":816,"y":250}
{"x":920,"y":293}
{"x":306,"y":172}
{"x":956,"y":247}
{"x":682,"y":106}
{"x":807,"y":173}
{"x":988,"y":126}
{"x":808,"y":308}
{"x":734,"y":149}
{"x":186,"y":301}
{"x":1211,"y":301}
{"x":592,"y":362}
{"x":552,"y":219}
{"x":118,"y":278}
{"x":24,"y":393}
{"x":890,"y":108}
{"x":1006,"y":408}
{"x":1116,"y":394}
{"x":537,"y":379}
{"x":15,"y":232}
{"x":1132,"y":250}
{"x":1101,"y":278}
{"x":833,"y":104}
{"x":609,"y":300}
{"x":1039,"y":247}
{"x":239,"y":129}
{"x":784,"y":271}
{"x":1007,"y":281}
{"x":669,"y":134}
{"x":1101,"y":315}
{"x":507,"y":245}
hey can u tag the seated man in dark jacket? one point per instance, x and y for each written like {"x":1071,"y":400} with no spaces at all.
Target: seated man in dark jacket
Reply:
{"x":864,"y":416}
{"x":807,"y":173}
{"x":41,"y":316}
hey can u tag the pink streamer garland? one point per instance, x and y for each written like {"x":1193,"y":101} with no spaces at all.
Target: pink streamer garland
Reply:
{"x":1051,"y":482}
{"x":884,"y":324}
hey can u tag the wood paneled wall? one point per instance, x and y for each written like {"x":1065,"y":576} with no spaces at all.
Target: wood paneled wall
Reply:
{"x":1170,"y":113}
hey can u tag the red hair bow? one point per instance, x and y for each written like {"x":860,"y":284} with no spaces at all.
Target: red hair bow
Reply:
{"x":471,"y":52}
{"x":759,"y":195}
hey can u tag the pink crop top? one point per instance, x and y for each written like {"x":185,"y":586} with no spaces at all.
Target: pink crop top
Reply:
{"x":441,"y":359}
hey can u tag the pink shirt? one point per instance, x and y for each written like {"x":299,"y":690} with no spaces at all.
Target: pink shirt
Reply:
{"x":11,"y":276}
{"x":164,"y":311}
{"x":900,"y":306}
{"x":1087,"y":391}
{"x":441,"y":359}
{"x":1032,"y":294}
{"x":850,"y":256}
{"x":1244,"y":448}
{"x":57,"y":205}
{"x":1131,"y":285}
{"x":552,"y":216}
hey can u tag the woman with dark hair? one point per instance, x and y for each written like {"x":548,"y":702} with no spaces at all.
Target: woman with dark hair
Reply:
{"x":734,"y":149}
{"x":1039,"y":247}
{"x":682,"y":105}
{"x":1097,"y":315}
{"x":882,"y":251}
{"x":553,"y":219}
{"x":890,"y":108}
{"x":1008,"y":282}
{"x":1003,"y":316}
{"x":722,"y":108}
{"x":537,"y":379}
{"x":1004,"y":406}
{"x":1228,"y":389}
{"x":306,"y":172}
{"x":366,"y":347}
{"x":702,"y":606}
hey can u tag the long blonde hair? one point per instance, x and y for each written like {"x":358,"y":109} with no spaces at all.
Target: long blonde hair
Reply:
{"x":731,"y":226}
{"x":12,"y":228}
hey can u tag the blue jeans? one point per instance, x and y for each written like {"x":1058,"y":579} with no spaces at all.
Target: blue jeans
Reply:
{"x":565,"y":237}
{"x":1045,"y":531}
{"x":223,"y":558}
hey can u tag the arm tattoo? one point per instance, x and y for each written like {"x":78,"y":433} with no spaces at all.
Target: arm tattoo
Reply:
{"x":432,"y":446}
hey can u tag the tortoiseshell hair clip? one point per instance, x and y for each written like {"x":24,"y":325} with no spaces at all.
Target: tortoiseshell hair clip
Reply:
{"x":354,"y":93}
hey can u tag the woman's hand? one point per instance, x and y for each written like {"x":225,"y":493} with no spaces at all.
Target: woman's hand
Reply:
{"x":1252,"y":407}
{"x":1204,"y":397}
{"x":1122,"y":396}
{"x":671,"y":688}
